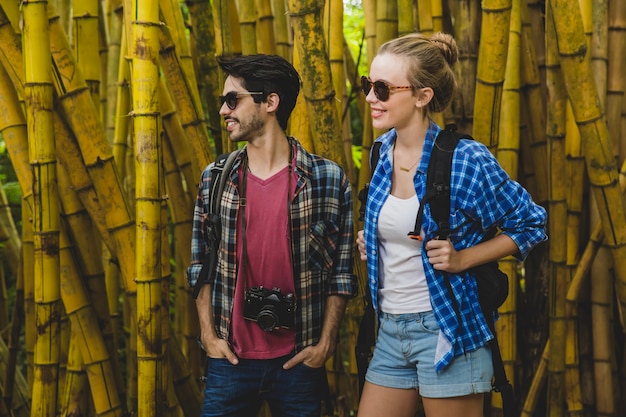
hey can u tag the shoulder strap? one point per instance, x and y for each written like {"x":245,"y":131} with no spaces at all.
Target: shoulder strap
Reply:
{"x":438,"y":182}
{"x":223,"y":164}
{"x":374,"y":156}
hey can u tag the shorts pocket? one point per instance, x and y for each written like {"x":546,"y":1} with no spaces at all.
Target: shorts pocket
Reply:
{"x":429,"y":322}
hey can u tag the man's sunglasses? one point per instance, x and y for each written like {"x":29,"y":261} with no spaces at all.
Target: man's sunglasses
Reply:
{"x":381,"y":88}
{"x":232,"y":97}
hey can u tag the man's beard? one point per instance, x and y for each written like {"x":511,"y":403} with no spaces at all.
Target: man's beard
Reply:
{"x":248,"y":130}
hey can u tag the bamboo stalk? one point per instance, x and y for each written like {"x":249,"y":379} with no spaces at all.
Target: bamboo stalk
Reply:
{"x":181,"y":207}
{"x":555,"y":135}
{"x":188,"y":104}
{"x":537,"y":384}
{"x":492,"y":56}
{"x":144,"y":53}
{"x":616,"y":82}
{"x":316,"y":79}
{"x":467,"y":30}
{"x":42,"y":154}
{"x":601,"y":168}
{"x":265,"y":27}
{"x":282,"y":33}
{"x":203,"y":45}
{"x":247,"y":25}
{"x":531,"y":87}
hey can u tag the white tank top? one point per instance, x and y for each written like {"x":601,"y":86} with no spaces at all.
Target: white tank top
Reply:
{"x":402,"y":282}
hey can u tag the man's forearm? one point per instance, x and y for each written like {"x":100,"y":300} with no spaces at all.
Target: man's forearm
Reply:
{"x":205,"y":313}
{"x":333,"y":314}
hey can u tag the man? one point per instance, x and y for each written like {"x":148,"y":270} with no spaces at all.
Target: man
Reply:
{"x":270,"y":317}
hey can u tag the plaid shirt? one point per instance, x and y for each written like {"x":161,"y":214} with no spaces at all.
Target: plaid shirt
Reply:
{"x":322,"y":240}
{"x":482,"y":196}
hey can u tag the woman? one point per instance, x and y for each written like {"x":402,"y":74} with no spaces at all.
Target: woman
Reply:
{"x":423,"y":347}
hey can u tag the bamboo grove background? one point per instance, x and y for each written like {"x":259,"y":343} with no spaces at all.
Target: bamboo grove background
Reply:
{"x":109,"y":112}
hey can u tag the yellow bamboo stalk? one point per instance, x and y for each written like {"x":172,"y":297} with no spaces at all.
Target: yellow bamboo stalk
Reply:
{"x":174,"y":128}
{"x":85,"y":31}
{"x":407,"y":22}
{"x":10,"y":384}
{"x":77,"y":305}
{"x":601,"y":167}
{"x":113,"y":21}
{"x":144,"y":53}
{"x":247,"y":25}
{"x":369,"y":12}
{"x":30,"y":326}
{"x":266,"y":39}
{"x":557,"y":285}
{"x":531,"y":84}
{"x":84,"y":123}
{"x":537,"y":384}
{"x":508,"y":155}
{"x":299,"y":120}
{"x":203,"y":44}
{"x":38,"y":95}
{"x":616,"y":82}
{"x":187,"y":389}
{"x":316,"y":78}
{"x":20,"y":404}
{"x":437,"y":14}
{"x":282,"y":34}
{"x":492,"y":56}
{"x":424,"y":17}
{"x":173,"y":18}
{"x":467,"y":23}
{"x":227,"y":42}
{"x":602,"y":339}
{"x":333,"y":17}
{"x":181,"y":208}
{"x":10,"y":245}
{"x":386,"y":22}
{"x":75,"y":393}
{"x":122,"y":110}
{"x":187,"y":102}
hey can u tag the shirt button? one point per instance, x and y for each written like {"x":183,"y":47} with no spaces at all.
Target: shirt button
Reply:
{"x":373,"y":252}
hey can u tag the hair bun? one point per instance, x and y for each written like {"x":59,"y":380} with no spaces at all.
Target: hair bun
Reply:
{"x":447,"y":45}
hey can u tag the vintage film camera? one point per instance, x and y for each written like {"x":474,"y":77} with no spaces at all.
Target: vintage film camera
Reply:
{"x":269,"y":308}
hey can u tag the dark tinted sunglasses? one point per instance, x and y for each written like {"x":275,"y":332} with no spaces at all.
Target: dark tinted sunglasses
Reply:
{"x":381,"y":88}
{"x":232,"y":97}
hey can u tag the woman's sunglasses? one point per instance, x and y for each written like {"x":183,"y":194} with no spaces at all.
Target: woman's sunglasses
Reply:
{"x":232,"y":97}
{"x":381,"y":88}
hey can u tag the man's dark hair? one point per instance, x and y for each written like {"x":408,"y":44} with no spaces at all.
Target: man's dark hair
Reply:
{"x":267,"y":74}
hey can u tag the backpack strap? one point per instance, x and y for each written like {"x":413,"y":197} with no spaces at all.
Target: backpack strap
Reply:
{"x":219,"y":175}
{"x":223,"y":164}
{"x":374,"y":157}
{"x":438,"y":182}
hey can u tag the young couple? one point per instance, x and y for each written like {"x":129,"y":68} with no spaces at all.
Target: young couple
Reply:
{"x":270,"y":317}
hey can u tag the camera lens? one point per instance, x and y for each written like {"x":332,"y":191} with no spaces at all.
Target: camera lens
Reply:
{"x":267,"y":318}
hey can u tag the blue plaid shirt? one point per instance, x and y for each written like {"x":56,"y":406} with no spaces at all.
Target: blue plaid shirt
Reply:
{"x":482,"y":196}
{"x":322,"y":240}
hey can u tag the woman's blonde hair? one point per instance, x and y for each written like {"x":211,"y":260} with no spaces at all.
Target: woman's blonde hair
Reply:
{"x":430,"y":62}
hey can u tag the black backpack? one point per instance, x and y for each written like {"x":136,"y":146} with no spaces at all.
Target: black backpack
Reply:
{"x":213,"y":226}
{"x":492,"y":283}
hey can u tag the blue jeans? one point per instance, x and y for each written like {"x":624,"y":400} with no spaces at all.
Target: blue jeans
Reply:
{"x":239,"y":390}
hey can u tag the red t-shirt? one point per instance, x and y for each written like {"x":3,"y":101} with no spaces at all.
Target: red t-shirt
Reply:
{"x":268,"y":265}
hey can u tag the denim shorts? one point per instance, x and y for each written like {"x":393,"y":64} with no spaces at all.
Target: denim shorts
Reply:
{"x":404,"y":358}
